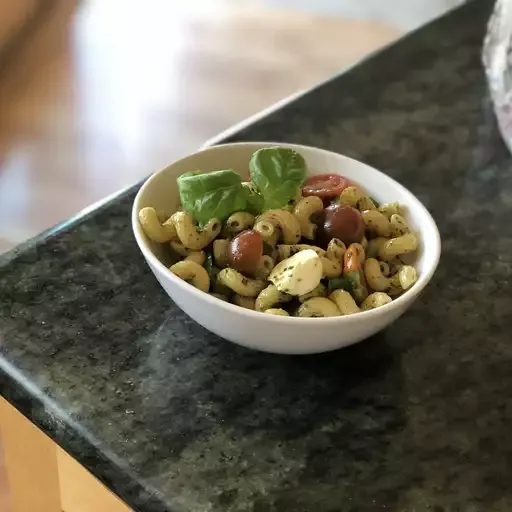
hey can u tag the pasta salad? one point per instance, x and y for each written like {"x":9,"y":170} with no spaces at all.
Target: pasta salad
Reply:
{"x":284,"y":244}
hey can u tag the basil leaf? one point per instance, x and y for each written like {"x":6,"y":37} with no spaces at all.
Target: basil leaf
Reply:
{"x":210,"y":195}
{"x":358,"y":290}
{"x":350,"y":282}
{"x":254,"y":199}
{"x":278,"y":173}
{"x":339,"y":283}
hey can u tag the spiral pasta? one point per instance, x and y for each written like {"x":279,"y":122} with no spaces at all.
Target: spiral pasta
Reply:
{"x":289,"y":263}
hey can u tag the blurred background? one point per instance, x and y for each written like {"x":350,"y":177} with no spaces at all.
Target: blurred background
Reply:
{"x":97,"y":94}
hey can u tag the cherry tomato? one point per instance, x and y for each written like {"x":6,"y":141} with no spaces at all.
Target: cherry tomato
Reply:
{"x":325,"y":185}
{"x":245,"y":251}
{"x":343,"y":222}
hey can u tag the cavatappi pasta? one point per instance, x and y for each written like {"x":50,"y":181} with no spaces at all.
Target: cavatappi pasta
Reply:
{"x":299,"y":260}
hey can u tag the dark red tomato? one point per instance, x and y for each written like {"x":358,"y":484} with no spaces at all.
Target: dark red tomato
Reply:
{"x":325,"y":185}
{"x":245,"y":251}
{"x":343,"y":222}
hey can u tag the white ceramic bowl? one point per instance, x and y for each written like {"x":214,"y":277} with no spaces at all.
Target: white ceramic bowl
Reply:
{"x":269,"y":333}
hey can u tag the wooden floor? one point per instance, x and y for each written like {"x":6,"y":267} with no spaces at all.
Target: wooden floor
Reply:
{"x":91,"y":101}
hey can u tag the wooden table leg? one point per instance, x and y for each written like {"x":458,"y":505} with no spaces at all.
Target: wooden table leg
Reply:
{"x":31,"y":463}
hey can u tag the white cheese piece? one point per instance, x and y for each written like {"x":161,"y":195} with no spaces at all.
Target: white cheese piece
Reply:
{"x":298,"y":274}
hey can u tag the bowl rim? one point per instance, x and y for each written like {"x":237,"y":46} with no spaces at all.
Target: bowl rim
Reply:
{"x":395,"y":304}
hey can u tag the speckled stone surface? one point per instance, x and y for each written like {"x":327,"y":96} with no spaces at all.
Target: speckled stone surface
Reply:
{"x":417,"y":418}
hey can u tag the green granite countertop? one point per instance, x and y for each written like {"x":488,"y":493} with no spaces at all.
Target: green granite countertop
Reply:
{"x":417,"y":418}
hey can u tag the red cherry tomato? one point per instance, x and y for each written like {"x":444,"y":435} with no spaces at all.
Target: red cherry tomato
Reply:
{"x":343,"y":222}
{"x":325,"y":185}
{"x":245,"y":251}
